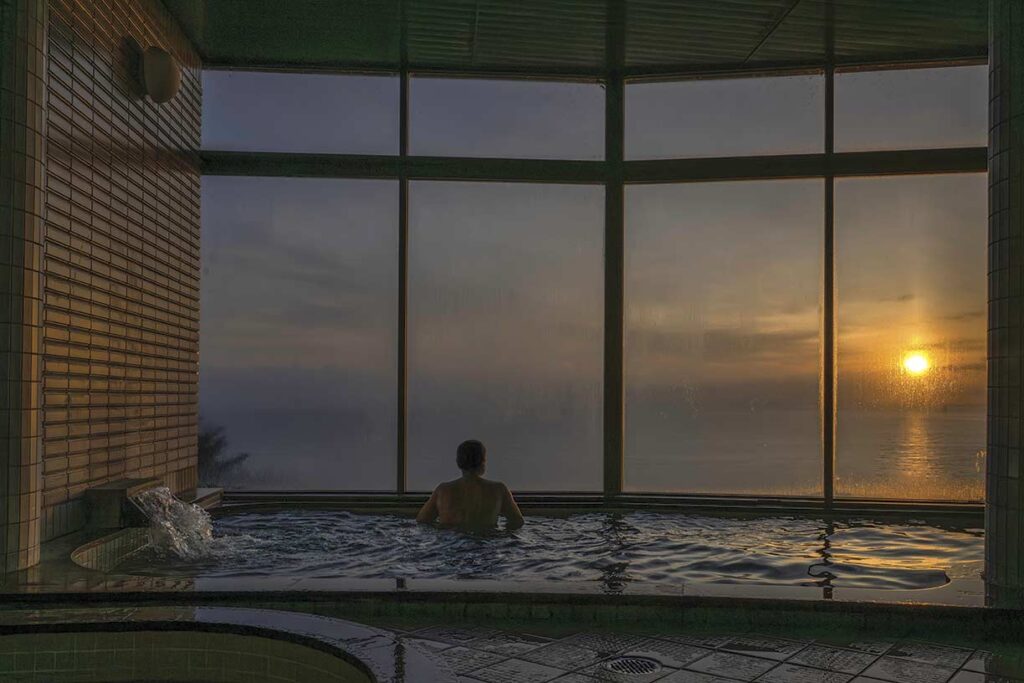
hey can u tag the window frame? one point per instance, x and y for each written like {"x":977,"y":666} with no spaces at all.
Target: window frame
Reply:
{"x":615,"y":172}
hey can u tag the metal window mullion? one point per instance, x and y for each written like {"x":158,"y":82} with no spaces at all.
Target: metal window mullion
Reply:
{"x":828,"y":346}
{"x":614,"y":317}
{"x":614,"y":246}
{"x":402,"y":452}
{"x":817,"y":165}
{"x":828,"y":342}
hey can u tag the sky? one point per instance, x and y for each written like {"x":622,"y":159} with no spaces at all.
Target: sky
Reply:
{"x":723,"y":280}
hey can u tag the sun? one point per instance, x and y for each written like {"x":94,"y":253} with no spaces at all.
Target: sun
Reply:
{"x":916,"y":363}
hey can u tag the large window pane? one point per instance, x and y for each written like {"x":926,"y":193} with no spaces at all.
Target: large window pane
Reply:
{"x":723,"y":283}
{"x":727,"y":117}
{"x":294,"y":112}
{"x":911,"y":295}
{"x":299,"y":300}
{"x":911,"y":109}
{"x":507,"y":119}
{"x":505,"y":331}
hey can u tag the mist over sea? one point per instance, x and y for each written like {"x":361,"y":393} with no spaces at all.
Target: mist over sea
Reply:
{"x":888,"y":454}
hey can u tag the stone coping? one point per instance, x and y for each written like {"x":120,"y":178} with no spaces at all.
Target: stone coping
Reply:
{"x":104,"y":552}
{"x":379,"y":653}
{"x":556,"y":504}
{"x":578,"y":610}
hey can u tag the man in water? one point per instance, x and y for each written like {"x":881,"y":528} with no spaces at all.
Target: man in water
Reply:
{"x":471,"y":502}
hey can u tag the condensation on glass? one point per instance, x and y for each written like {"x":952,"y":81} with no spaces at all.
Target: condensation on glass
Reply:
{"x":725,"y":117}
{"x":299,"y":344}
{"x":911,"y":263}
{"x":505,"y":331}
{"x":254,"y":111}
{"x":506,"y":118}
{"x":912,"y":108}
{"x":723,"y":290}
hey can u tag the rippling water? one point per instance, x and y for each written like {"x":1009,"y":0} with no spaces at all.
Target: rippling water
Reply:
{"x":609,"y":548}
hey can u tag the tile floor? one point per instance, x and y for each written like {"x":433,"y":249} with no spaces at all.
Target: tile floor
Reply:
{"x":483,"y":655}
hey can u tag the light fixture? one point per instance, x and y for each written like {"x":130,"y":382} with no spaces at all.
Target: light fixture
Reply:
{"x":160,"y":75}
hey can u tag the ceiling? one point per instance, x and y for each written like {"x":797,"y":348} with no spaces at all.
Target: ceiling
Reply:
{"x":570,"y":37}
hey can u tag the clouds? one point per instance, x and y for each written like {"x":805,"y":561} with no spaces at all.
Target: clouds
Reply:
{"x":727,"y":344}
{"x":297,"y":112}
{"x":726,"y":352}
{"x":506,"y":283}
{"x":299,"y":273}
{"x":966,"y":316}
{"x":506,"y":289}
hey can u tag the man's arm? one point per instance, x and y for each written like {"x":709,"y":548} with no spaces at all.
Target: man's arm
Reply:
{"x":509,"y":508}
{"x":428,"y":513}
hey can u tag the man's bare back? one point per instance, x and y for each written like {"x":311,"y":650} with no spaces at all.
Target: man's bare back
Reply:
{"x":471,"y":502}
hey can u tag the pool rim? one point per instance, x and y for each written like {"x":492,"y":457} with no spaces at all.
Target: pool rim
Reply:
{"x":360,"y":646}
{"x":76,"y":627}
{"x":567,"y":502}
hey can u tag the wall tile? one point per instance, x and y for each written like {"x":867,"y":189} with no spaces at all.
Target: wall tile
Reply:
{"x":120,"y":327}
{"x":1004,"y":531}
{"x":22,"y":206}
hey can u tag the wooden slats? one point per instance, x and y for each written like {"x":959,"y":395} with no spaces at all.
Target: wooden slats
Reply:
{"x":553,"y":36}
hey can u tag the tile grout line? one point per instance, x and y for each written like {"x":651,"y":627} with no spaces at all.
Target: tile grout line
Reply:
{"x":721,"y":648}
{"x":670,"y":670}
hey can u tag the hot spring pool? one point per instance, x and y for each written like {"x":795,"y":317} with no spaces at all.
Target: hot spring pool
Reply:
{"x":608,"y":549}
{"x":167,"y":655}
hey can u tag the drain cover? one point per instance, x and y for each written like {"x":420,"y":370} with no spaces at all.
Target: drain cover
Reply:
{"x":636,"y":666}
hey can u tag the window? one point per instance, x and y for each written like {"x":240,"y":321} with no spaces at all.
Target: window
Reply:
{"x":912,"y":108}
{"x":505,"y":331}
{"x":725,"y":117}
{"x":723,"y":285}
{"x":723,"y":288}
{"x":299,"y":300}
{"x":247,"y":111}
{"x":510,"y":119}
{"x":911,"y":260}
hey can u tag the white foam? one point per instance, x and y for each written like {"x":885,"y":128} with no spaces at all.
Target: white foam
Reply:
{"x":175,"y":527}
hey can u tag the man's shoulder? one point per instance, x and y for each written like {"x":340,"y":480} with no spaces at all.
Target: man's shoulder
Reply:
{"x":497,"y":485}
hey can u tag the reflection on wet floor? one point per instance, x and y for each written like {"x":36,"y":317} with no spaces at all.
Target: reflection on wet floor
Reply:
{"x":488,"y":655}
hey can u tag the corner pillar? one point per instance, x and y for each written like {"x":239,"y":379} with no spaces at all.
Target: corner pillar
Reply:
{"x":23,"y":29}
{"x":1004,"y":523}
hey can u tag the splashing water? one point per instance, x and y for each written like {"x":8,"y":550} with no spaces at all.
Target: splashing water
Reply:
{"x":176,"y":528}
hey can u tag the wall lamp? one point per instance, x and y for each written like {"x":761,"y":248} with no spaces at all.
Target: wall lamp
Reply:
{"x":161,"y":76}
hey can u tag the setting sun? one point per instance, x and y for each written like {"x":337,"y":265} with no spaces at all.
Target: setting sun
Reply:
{"x":916,"y":363}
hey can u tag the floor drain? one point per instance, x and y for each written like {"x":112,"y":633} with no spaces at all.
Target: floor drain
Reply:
{"x":637,"y":666}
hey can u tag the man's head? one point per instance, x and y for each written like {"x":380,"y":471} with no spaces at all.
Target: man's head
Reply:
{"x":471,"y":457}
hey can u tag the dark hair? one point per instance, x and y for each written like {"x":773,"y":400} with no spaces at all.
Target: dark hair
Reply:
{"x":470,"y":455}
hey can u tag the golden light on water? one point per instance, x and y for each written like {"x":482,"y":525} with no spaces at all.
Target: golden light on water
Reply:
{"x":916,"y":363}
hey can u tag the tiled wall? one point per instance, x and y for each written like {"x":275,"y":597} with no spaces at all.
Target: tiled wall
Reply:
{"x":22,"y":122}
{"x":105,"y":553}
{"x":121,"y":308}
{"x":1004,"y":528}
